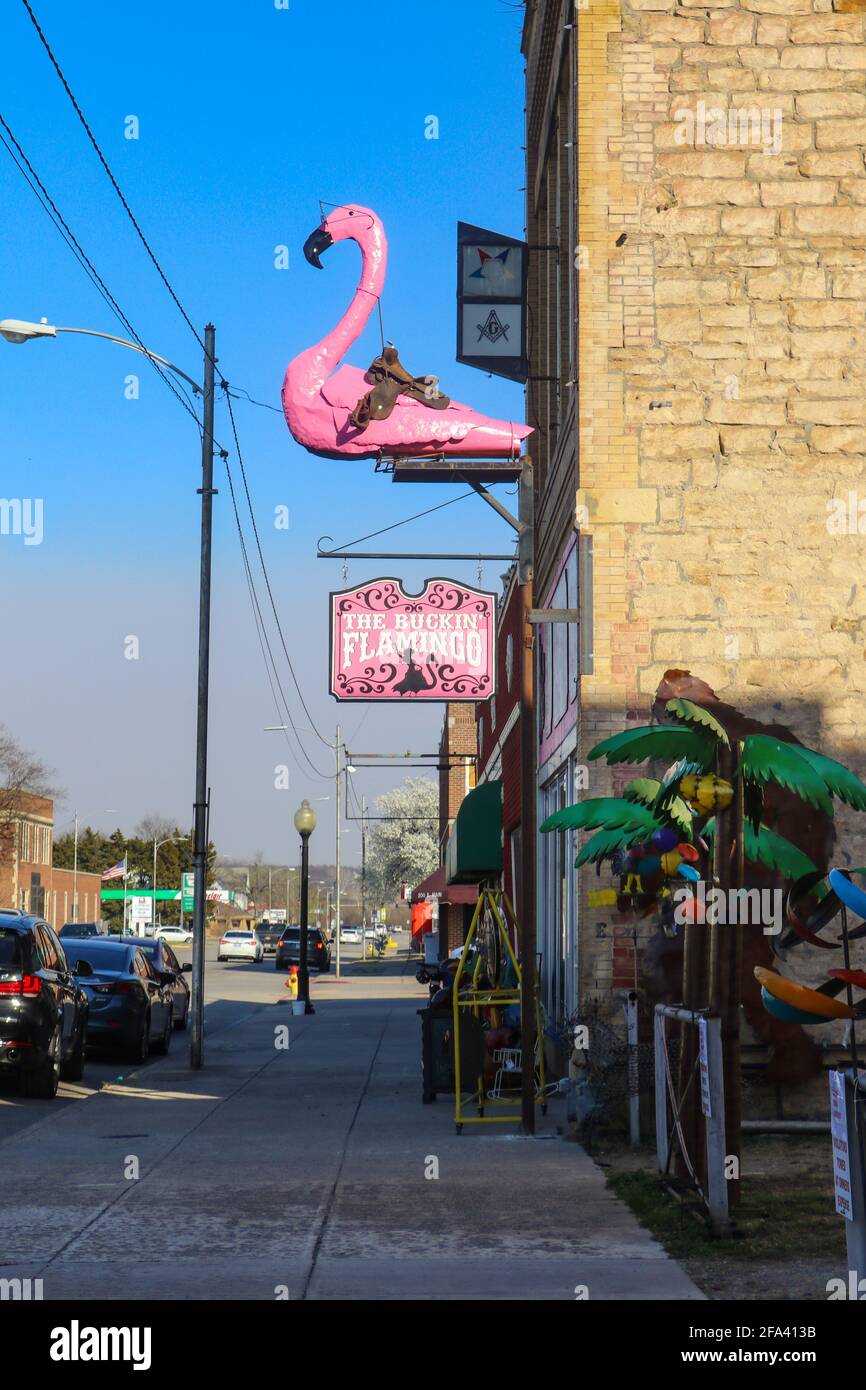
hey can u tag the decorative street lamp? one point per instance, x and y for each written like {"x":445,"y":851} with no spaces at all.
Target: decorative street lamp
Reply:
{"x":305,"y":824}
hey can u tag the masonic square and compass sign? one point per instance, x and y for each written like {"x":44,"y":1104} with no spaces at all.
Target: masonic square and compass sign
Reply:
{"x":491,"y":302}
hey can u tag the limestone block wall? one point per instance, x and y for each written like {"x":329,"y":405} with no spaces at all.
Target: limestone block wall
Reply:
{"x":722,"y":398}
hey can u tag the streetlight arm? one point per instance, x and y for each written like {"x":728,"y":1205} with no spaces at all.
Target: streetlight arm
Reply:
{"x":20,"y":331}
{"x":136,"y":347}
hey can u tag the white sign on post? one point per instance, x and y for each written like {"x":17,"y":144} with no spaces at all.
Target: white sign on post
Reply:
{"x":140,"y":910}
{"x":839,"y":1137}
{"x":706,"y":1099}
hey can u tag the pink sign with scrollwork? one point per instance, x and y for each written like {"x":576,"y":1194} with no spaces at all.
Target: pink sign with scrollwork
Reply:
{"x":387,"y":644}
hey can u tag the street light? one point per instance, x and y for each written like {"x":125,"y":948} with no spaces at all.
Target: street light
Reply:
{"x":305,"y":824}
{"x":109,"y":810}
{"x":157,"y":846}
{"x":21,"y":331}
{"x":337,"y":749}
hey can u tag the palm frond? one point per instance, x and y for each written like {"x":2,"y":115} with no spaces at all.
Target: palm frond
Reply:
{"x":658,"y":741}
{"x":766,"y":759}
{"x":642,"y":789}
{"x":836,"y":778}
{"x":606,"y":813}
{"x":770,"y":849}
{"x":605,"y":843}
{"x":691,"y":713}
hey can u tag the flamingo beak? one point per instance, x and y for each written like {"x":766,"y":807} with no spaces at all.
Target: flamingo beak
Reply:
{"x":315,"y":244}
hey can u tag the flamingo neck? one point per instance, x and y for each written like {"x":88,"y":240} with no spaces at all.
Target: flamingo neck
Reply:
{"x":374,"y":252}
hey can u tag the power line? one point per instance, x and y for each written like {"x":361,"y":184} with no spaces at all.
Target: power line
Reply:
{"x":50,"y":208}
{"x":104,"y":162}
{"x":261,"y":631}
{"x":321,"y":738}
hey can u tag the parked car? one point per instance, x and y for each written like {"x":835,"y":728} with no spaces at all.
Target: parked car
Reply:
{"x":131,"y":1006}
{"x":351,"y":935}
{"x":71,"y":929}
{"x":43,"y":1009}
{"x":289,"y":950}
{"x":181,"y":936}
{"x":166,"y":964}
{"x":240,"y":945}
{"x":269,"y":933}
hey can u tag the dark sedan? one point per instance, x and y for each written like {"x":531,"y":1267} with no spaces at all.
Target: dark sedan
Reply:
{"x":81,"y":929}
{"x":131,"y":1005}
{"x":166,"y":964}
{"x":289,"y":950}
{"x":43,"y":1010}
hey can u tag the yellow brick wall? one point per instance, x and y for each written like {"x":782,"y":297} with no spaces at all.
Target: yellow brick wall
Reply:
{"x":722,"y":368}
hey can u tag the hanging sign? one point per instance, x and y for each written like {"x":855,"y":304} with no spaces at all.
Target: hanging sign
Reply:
{"x":491,"y":302}
{"x":390,"y":645}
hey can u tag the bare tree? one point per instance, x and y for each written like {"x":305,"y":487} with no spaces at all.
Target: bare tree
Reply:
{"x":155,"y":826}
{"x":21,"y":772}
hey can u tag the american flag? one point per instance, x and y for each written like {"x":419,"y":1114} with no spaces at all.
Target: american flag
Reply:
{"x":116,"y":871}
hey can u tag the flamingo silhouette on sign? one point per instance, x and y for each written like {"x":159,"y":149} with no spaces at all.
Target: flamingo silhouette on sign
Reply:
{"x":319,"y":395}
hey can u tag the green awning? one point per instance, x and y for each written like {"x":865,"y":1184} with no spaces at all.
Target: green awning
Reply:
{"x":474,"y":849}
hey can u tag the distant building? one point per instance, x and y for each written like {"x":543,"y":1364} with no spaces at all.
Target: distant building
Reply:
{"x":28,"y":879}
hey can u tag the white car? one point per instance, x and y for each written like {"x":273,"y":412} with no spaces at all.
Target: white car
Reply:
{"x":350,"y":935}
{"x":181,"y":935}
{"x":240,"y":945}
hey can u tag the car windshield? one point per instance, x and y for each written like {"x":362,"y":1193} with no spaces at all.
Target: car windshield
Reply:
{"x":292,"y":934}
{"x":149,"y":948}
{"x":79,"y":929}
{"x":107,"y":956}
{"x":10,"y":948}
{"x":239,"y":935}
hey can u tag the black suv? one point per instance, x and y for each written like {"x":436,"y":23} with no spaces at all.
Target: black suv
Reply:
{"x":289,"y":950}
{"x":269,"y":934}
{"x":43,"y":1010}
{"x":82,"y":929}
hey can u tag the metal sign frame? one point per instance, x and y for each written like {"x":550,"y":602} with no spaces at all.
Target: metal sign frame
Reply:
{"x":514,"y":367}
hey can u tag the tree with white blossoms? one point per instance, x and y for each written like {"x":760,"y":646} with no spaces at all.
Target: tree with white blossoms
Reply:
{"x":404,"y":847}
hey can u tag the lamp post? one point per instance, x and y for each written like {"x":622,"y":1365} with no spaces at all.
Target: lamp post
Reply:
{"x":21,"y":331}
{"x":109,"y":811}
{"x":157,"y":846}
{"x":305,"y":824}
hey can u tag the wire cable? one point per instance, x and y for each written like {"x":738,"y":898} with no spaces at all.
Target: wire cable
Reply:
{"x":321,"y":738}
{"x":50,"y":208}
{"x":104,"y":162}
{"x":405,"y":522}
{"x":267,"y":654}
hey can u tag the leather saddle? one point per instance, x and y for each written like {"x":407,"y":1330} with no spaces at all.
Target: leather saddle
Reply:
{"x":390,"y":380}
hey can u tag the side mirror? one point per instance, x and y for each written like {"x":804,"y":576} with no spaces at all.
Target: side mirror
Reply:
{"x":187,"y":965}
{"x":83,"y":967}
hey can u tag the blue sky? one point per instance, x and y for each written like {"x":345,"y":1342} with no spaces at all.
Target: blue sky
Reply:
{"x":247,"y":116}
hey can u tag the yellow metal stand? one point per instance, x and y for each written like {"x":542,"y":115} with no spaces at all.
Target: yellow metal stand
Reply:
{"x":498,"y":997}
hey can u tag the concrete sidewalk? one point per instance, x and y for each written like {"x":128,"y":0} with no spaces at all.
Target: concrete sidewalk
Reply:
{"x":302,"y":1173}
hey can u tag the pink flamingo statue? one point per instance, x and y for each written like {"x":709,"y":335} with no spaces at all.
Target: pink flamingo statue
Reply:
{"x":318,"y":400}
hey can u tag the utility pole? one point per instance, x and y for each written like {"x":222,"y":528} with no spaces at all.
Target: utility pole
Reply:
{"x":200,"y":823}
{"x":337,"y":866}
{"x":270,"y":893}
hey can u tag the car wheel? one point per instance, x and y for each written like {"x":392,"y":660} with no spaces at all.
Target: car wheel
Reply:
{"x":41,"y":1083}
{"x":161,"y":1047}
{"x":180,"y":1023}
{"x":73,"y":1068}
{"x":140,"y":1049}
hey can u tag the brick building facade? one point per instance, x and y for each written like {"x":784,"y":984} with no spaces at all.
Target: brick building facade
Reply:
{"x":697,"y":387}
{"x":28,"y":879}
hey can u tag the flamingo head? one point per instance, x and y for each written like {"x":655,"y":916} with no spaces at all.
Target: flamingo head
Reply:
{"x":349,"y":222}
